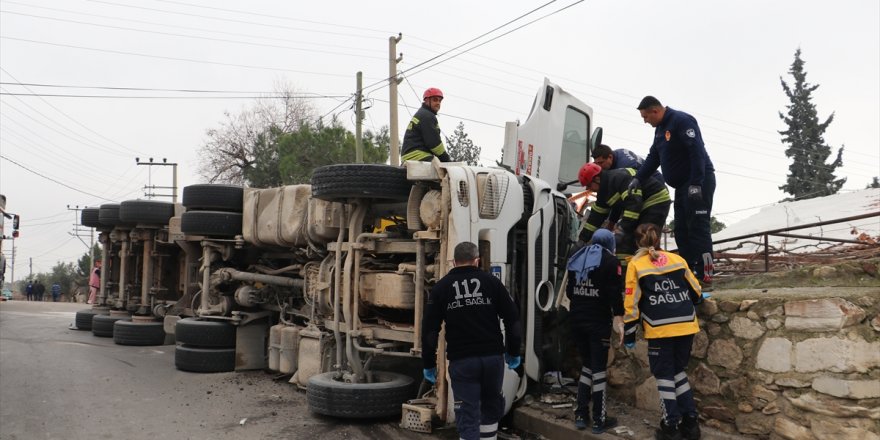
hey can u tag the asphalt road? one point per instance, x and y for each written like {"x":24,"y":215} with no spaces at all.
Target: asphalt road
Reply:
{"x":57,"y":383}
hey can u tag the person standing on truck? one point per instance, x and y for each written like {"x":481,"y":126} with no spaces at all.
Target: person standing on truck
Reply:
{"x":679,"y":151}
{"x":422,"y":140}
{"x":661,"y":292}
{"x":470,"y":301}
{"x":594,"y":288}
{"x":649,"y":204}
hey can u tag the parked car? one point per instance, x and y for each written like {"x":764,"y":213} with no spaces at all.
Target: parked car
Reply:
{"x":6,"y":295}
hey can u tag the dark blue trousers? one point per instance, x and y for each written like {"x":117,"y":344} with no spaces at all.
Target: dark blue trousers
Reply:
{"x":476,"y":388}
{"x":668,"y":358}
{"x":592,"y":344}
{"x":693,"y":234}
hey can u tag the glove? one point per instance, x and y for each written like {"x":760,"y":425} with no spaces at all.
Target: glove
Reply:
{"x":629,"y":345}
{"x":430,"y":374}
{"x":512,"y":361}
{"x":707,"y":295}
{"x":695,"y":193}
{"x":633,"y":184}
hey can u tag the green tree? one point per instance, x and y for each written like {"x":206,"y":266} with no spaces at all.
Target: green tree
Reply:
{"x":809,"y":176}
{"x":315,"y":145}
{"x":461,"y":148}
{"x":83,"y":267}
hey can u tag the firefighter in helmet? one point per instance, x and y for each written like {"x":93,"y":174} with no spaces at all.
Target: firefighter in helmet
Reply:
{"x":422,"y":139}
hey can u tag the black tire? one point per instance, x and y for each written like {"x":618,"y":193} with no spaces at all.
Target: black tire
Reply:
{"x":381,"y":398}
{"x":102,"y":325}
{"x":88,"y":217}
{"x":83,"y":319}
{"x":212,"y":223}
{"x":150,"y":212}
{"x":127,"y":332}
{"x":204,"y":360}
{"x":375,"y":181}
{"x":108,"y":214}
{"x":205,"y":333}
{"x":209,"y":197}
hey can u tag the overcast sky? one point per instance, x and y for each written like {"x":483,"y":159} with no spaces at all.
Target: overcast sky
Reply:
{"x":720,"y":61}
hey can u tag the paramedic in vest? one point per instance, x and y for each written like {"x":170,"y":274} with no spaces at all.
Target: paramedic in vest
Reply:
{"x":661,"y":293}
{"x":422,"y":139}
{"x":648,"y":204}
{"x":679,"y":151}
{"x":470,"y":301}
{"x":594,"y":289}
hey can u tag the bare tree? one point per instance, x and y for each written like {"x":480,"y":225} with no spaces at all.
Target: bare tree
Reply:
{"x":231,"y":148}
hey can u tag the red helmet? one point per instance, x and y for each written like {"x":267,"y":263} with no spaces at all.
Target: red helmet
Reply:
{"x":588,"y":172}
{"x":432,"y":92}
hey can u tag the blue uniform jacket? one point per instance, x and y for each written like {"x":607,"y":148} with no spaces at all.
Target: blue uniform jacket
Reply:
{"x":678,"y":150}
{"x":624,"y":158}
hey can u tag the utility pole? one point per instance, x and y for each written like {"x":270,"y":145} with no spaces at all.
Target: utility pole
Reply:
{"x":30,"y":268}
{"x":77,"y":230}
{"x":150,"y":186}
{"x":12,"y":277}
{"x":393,"y":81}
{"x":359,"y":120}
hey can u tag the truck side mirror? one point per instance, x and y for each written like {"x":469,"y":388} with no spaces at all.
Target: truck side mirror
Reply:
{"x":595,"y":140}
{"x":15,"y":221}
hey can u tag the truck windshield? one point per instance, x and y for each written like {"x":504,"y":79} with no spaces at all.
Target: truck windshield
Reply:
{"x":574,"y":144}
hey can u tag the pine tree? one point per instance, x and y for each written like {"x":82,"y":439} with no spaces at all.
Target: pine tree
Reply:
{"x":462,"y":149}
{"x":809,"y":176}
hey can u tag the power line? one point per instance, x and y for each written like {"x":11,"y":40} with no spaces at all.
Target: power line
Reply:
{"x":142,"y":89}
{"x":171,"y":34}
{"x":216,"y":63}
{"x":53,"y":180}
{"x":55,"y":95}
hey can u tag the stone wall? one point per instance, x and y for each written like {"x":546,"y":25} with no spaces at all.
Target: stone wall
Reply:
{"x":778,"y":367}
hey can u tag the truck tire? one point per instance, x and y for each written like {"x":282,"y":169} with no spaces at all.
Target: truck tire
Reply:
{"x":126,"y":332}
{"x":212,"y":223}
{"x":210,"y":197}
{"x":204,"y":360}
{"x":382,"y":398}
{"x":108,"y":214}
{"x":102,"y":325}
{"x":374,"y":181}
{"x":88,"y":217}
{"x":151,"y":212}
{"x":205,"y":333}
{"x":83,"y":320}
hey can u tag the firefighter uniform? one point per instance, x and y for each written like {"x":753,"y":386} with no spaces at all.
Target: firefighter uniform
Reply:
{"x":422,"y":141}
{"x":661,"y":294}
{"x":470,"y":301}
{"x":648,"y":204}
{"x":679,"y":151}
{"x":595,"y":300}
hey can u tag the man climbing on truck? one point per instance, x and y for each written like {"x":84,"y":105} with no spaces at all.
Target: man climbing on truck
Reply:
{"x":422,"y":139}
{"x":648,"y":204}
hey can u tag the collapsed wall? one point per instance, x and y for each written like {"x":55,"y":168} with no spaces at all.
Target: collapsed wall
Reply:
{"x":785,"y":363}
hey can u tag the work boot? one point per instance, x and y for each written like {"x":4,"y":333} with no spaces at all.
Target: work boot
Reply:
{"x":689,"y":428}
{"x":580,"y":422}
{"x":667,"y":432}
{"x":608,"y":423}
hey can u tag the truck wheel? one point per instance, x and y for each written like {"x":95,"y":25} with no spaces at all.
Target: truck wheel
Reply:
{"x":84,"y":318}
{"x":108,"y":214}
{"x":210,"y":197}
{"x":216,"y":223}
{"x":127,"y":332}
{"x":204,"y":360}
{"x":382,"y":398}
{"x":151,"y":212}
{"x":375,"y":181}
{"x":102,"y":325}
{"x":89,"y":218}
{"x":205,"y":333}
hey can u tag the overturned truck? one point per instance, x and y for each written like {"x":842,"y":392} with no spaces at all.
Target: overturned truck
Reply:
{"x":327,"y":282}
